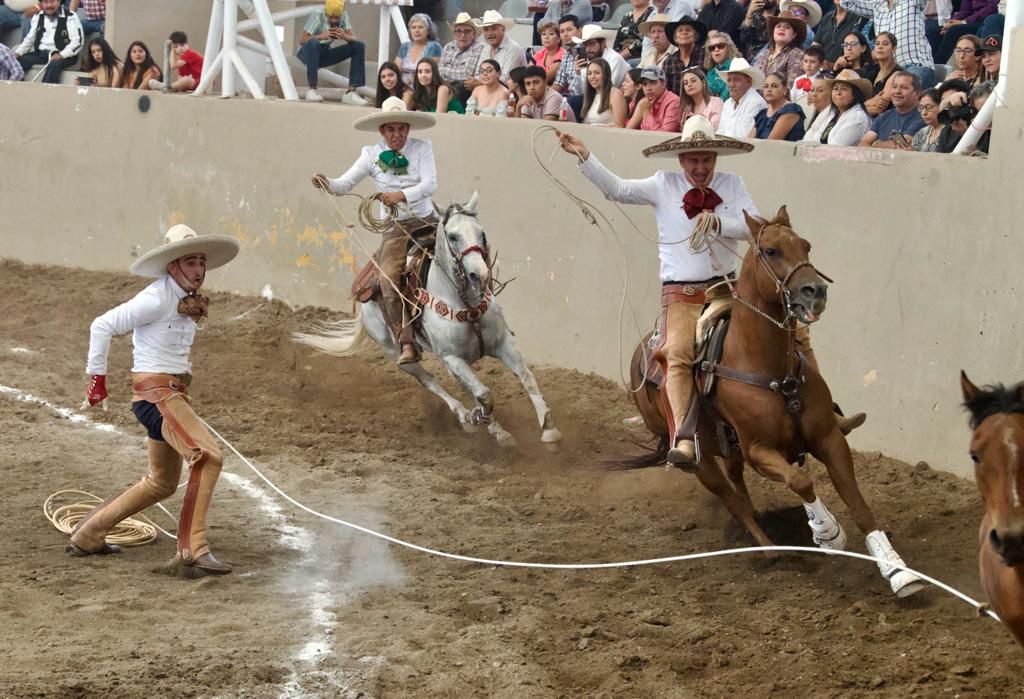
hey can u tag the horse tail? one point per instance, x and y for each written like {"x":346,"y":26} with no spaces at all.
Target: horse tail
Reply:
{"x":654,"y":456}
{"x":340,"y":338}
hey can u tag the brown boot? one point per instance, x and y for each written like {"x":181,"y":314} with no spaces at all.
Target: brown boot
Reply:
{"x":410,"y":354}
{"x":683,"y":455}
{"x":849,"y":424}
{"x":201,"y":567}
{"x":407,"y":341}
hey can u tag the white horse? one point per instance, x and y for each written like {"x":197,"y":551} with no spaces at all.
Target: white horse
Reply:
{"x":456,"y":299}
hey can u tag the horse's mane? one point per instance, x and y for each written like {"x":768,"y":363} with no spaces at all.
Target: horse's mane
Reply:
{"x":993,"y":400}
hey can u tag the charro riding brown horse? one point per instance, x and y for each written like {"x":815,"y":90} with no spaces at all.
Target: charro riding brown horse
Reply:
{"x":997,"y":449}
{"x":775,"y":401}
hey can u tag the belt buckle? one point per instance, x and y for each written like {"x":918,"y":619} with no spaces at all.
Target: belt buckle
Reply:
{"x":691,"y":290}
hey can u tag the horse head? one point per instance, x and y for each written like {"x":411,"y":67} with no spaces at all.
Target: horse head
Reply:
{"x":784,"y":274}
{"x":462,"y":248}
{"x":997,"y":449}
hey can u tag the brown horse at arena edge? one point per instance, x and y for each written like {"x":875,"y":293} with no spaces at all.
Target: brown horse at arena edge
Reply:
{"x":997,"y":449}
{"x":774,"y":399}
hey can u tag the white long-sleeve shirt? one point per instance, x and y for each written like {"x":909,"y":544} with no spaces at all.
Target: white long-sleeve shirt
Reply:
{"x":162,"y":337}
{"x":849,"y":129}
{"x":47,"y":43}
{"x":418,"y":184}
{"x":664,"y":191}
{"x":737,"y":120}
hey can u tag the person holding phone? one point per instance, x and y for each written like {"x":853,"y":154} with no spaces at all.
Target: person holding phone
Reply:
{"x":901,"y":118}
{"x":321,"y":30}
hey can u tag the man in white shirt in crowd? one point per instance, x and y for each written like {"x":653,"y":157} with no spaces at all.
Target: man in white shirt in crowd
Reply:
{"x":498,"y":46}
{"x":163,"y":317}
{"x":405,"y":174}
{"x":54,"y":39}
{"x":739,"y":111}
{"x":597,"y":42}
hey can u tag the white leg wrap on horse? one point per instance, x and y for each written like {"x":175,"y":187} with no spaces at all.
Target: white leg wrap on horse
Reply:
{"x":903,"y":582}
{"x":826,"y":530}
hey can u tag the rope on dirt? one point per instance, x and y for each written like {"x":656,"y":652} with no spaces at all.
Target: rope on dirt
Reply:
{"x":979,"y":607}
{"x":134,"y":531}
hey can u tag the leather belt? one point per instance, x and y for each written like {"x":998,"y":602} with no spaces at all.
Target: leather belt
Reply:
{"x":686,"y":292}
{"x":177,"y":383}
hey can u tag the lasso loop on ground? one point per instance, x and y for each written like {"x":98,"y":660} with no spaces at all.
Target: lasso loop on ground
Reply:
{"x":134,"y":531}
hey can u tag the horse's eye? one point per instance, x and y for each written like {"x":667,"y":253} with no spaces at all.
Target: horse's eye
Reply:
{"x":452,"y":237}
{"x":974,"y":457}
{"x":769,"y":252}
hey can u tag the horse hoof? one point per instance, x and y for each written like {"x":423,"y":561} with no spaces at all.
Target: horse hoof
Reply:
{"x":506,"y":440}
{"x":905,"y":584}
{"x":469,"y":427}
{"x":551,"y":436}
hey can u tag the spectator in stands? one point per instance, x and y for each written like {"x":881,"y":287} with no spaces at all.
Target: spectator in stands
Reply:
{"x":422,"y":44}
{"x":9,"y":20}
{"x":490,"y":97}
{"x":811,"y":63}
{"x":139,"y":68}
{"x":696,"y":98}
{"x":723,"y":16}
{"x":581,"y":9}
{"x":390,"y":83}
{"x":460,"y":58}
{"x":661,"y":47}
{"x":187,"y":62}
{"x":819,"y":99}
{"x":603,"y":104}
{"x":754,"y":32}
{"x":856,"y":56}
{"x":845,"y":122}
{"x":632,"y":91}
{"x":10,"y":69}
{"x":968,"y":64}
{"x":744,"y":102}
{"x":569,"y":80}
{"x":833,"y":29}
{"x":718,"y":55}
{"x":807,"y":10}
{"x":552,"y":52}
{"x":994,"y":24}
{"x":780,"y":120}
{"x":102,"y":64}
{"x":540,"y":101}
{"x":321,"y":29}
{"x":595,"y":42}
{"x":784,"y":52}
{"x":900,"y":121}
{"x":516,"y":87}
{"x":54,"y":40}
{"x":991,"y":55}
{"x":430,"y":94}
{"x":95,"y":12}
{"x":628,"y":39}
{"x":499,"y":47}
{"x":967,"y":20}
{"x":926,"y":140}
{"x":659,"y":109}
{"x":905,"y":20}
{"x":884,"y":57}
{"x":956,"y":111}
{"x":688,"y":35}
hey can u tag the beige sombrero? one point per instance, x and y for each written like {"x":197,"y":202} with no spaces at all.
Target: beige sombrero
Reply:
{"x":698,"y":136}
{"x":812,"y":8}
{"x":663,"y":20}
{"x":467,"y":19}
{"x":393,"y":111}
{"x":740,"y":65}
{"x":182,"y":241}
{"x":853,"y":79}
{"x":493,"y":17}
{"x":593,"y":31}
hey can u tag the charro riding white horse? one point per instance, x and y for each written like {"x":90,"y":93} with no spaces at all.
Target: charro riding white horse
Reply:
{"x":457,"y":293}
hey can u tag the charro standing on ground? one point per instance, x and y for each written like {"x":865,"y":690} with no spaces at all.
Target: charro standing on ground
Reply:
{"x":404,"y":172}
{"x":163,"y":317}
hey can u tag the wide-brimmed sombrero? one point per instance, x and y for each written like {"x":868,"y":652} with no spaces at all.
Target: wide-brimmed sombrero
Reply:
{"x":182,"y":241}
{"x":812,"y":9}
{"x":853,"y":79}
{"x":593,"y":31}
{"x":699,"y":27}
{"x":465,"y":19}
{"x":492,"y":18}
{"x":658,"y":18}
{"x":799,"y":25}
{"x":698,"y":136}
{"x":740,"y":65}
{"x":393,"y":111}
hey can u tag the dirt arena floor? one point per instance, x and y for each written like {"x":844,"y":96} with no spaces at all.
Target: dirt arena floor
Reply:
{"x":315,"y":609}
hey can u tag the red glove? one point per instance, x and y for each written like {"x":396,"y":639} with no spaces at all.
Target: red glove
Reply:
{"x":97,"y":392}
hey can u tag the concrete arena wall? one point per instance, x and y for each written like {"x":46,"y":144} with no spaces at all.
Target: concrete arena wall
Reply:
{"x":926,"y":279}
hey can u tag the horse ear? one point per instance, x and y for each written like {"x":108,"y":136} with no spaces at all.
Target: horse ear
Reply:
{"x":470,"y":207}
{"x":754,"y":223}
{"x":782,"y":217}
{"x":967,"y":388}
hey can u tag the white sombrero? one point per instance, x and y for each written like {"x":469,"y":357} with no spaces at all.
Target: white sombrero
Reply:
{"x":465,"y":18}
{"x":663,"y":20}
{"x":393,"y":111}
{"x":593,"y":31}
{"x":812,"y":8}
{"x":698,"y":136}
{"x":493,"y":17}
{"x":740,"y":65}
{"x":182,"y":241}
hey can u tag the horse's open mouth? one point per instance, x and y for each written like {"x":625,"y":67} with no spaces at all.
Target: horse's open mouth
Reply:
{"x":803,"y":314}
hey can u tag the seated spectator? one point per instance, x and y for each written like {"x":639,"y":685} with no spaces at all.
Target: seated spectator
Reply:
{"x":581,"y":9}
{"x":926,"y":140}
{"x":95,"y":12}
{"x":719,"y":50}
{"x":696,"y":98}
{"x":780,"y":120}
{"x":552,"y":52}
{"x":595,"y":42}
{"x":430,"y":94}
{"x":140,"y":68}
{"x":632,"y":91}
{"x":811,"y":66}
{"x":906,"y":21}
{"x":54,"y":39}
{"x":957,"y":112}
{"x":460,"y":58}
{"x":995,"y":24}
{"x":722,"y":15}
{"x":315,"y":50}
{"x":659,"y":109}
{"x":540,"y":101}
{"x":490,"y":97}
{"x":603,"y":104}
{"x":498,"y":47}
{"x":187,"y":62}
{"x":966,"y":20}
{"x":900,"y":121}
{"x":688,"y":36}
{"x":784,"y":52}
{"x":856,"y":56}
{"x":569,"y":80}
{"x":661,"y":47}
{"x":422,"y":44}
{"x":807,"y":10}
{"x":968,"y":64}
{"x":991,"y":55}
{"x":390,"y":83}
{"x":102,"y":64}
{"x":884,"y":56}
{"x":819,"y":99}
{"x":629,"y":40}
{"x":845,"y":122}
{"x":744,"y":102}
{"x":9,"y":20}
{"x":10,"y":69}
{"x":754,"y":34}
{"x":833,"y":29}
{"x":516,"y":88}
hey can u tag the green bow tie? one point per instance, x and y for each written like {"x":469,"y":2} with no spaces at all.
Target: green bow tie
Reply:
{"x":393,"y":161}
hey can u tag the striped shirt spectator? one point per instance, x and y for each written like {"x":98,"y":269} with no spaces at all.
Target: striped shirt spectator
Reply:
{"x":905,"y":20}
{"x":10,"y":69}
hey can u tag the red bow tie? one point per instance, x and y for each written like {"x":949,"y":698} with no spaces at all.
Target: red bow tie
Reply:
{"x":697,"y":200}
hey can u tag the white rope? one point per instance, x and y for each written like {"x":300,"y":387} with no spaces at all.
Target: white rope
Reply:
{"x":981,"y":608}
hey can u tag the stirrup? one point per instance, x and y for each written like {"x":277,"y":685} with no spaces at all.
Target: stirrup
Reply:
{"x":683,"y":455}
{"x":402,"y":359}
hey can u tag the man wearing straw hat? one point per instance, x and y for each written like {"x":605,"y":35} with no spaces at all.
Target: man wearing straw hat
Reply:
{"x":461,"y":57}
{"x":498,"y":46}
{"x":739,"y":111}
{"x":163,"y":317}
{"x":405,"y":175}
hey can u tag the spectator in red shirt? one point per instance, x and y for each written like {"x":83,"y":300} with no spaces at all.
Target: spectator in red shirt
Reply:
{"x":659,"y":109}
{"x":188,"y":62}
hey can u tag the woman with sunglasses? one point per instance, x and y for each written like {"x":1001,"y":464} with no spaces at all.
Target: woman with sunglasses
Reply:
{"x":696,"y":98}
{"x":968,"y":62}
{"x":856,"y":56}
{"x":718,"y":55}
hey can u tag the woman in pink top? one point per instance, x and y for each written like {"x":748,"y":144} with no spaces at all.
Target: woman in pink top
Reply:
{"x":550,"y":57}
{"x":696,"y":98}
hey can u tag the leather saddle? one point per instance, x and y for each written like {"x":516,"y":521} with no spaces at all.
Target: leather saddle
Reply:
{"x":366,"y":286}
{"x":713,"y":315}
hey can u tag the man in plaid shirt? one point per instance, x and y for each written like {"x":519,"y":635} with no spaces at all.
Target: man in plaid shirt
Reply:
{"x":95,"y":15}
{"x":460,"y":57}
{"x":10,"y":69}
{"x":905,"y":20}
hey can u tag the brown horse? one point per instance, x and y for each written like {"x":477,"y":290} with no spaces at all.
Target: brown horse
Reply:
{"x":774,"y":399}
{"x":997,"y":449}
